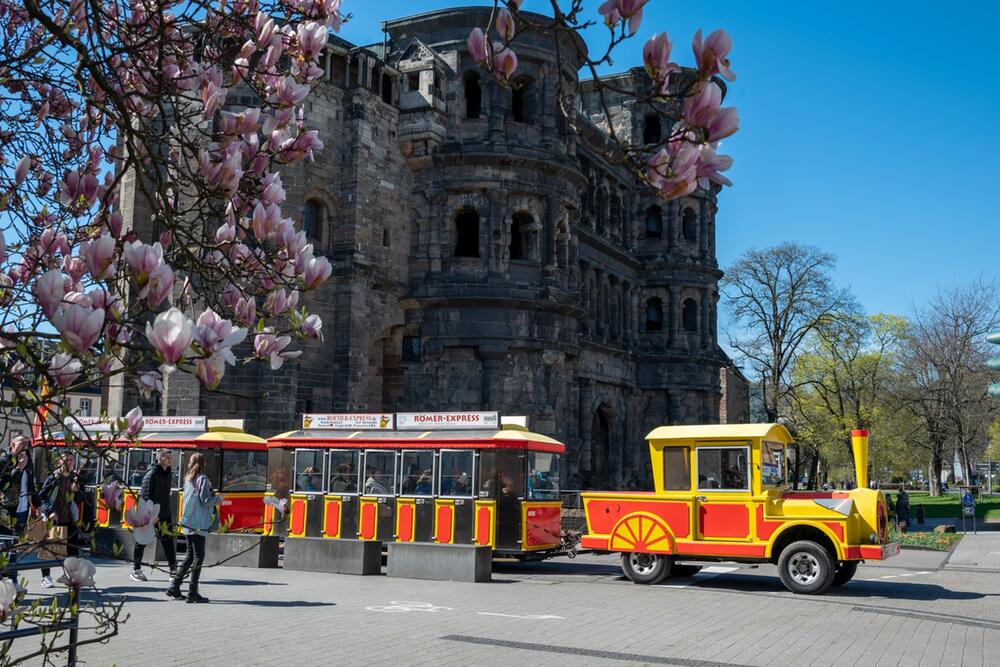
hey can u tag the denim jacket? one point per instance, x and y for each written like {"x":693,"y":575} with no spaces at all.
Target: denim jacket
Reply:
{"x":198,"y":503}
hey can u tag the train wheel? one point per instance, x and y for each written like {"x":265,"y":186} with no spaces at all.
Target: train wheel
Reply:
{"x":806,"y":568}
{"x":845,"y":572}
{"x":647,"y":568}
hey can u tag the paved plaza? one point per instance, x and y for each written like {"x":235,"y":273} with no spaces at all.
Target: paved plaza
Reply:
{"x":912,"y":610}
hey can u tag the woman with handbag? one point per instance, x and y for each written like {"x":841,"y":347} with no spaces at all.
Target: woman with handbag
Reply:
{"x":198,"y":516}
{"x":61,"y":496}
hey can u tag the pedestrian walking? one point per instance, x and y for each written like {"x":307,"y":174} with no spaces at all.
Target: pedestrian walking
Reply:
{"x":200,"y":501}
{"x":61,"y":496}
{"x":903,"y":510}
{"x":155,"y":488}
{"x":17,"y":481}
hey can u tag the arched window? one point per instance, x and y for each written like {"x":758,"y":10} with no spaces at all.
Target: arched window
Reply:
{"x":654,"y":222}
{"x":689,"y":317}
{"x":467,"y":233}
{"x":473,"y":95}
{"x":312,"y":220}
{"x":521,"y":100}
{"x":689,"y":224}
{"x":654,"y":315}
{"x":518,"y":232}
{"x":652,"y":132}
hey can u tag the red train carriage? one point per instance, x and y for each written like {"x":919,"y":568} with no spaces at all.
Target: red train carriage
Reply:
{"x":449,"y":478}
{"x":235,"y":461}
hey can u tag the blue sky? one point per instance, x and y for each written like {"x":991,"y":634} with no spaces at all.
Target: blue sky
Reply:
{"x":867,"y":129}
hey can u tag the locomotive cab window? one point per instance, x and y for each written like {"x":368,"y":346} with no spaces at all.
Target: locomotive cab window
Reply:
{"x":543,"y":476}
{"x":417,"y":473}
{"x":676,"y":469}
{"x":723,"y":469}
{"x":772,"y":464}
{"x":455,"y":474}
{"x":309,"y":471}
{"x":344,"y":465}
{"x":380,"y":472}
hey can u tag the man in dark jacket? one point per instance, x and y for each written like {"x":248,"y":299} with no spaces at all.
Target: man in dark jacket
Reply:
{"x":156,"y":485}
{"x":17,"y":483}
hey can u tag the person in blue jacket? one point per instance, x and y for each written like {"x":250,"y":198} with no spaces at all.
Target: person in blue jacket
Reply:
{"x":199,"y":503}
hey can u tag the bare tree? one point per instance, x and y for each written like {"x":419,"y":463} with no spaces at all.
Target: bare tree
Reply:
{"x":778,"y":296}
{"x":945,"y":355}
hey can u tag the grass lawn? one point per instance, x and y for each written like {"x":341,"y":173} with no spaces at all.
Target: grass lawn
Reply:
{"x":936,"y":541}
{"x":949,"y":505}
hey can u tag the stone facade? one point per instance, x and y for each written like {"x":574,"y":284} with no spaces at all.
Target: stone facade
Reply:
{"x":486,"y":258}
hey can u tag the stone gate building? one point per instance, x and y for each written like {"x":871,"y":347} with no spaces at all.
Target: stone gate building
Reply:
{"x":486,"y":258}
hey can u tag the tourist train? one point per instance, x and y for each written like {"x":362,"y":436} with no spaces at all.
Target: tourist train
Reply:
{"x":476,"y":479}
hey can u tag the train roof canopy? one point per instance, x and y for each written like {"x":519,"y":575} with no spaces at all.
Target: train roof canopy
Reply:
{"x":509,"y":437}
{"x":773,"y":432}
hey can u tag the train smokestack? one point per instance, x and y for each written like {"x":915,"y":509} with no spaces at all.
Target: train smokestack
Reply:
{"x":859,"y":443}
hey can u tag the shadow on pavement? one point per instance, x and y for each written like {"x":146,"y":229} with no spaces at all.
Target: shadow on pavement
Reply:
{"x":244,"y":582}
{"x":557,"y":567}
{"x":273,"y":603}
{"x":859,"y":588}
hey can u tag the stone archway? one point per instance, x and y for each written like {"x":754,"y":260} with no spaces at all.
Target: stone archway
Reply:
{"x":602,"y":466}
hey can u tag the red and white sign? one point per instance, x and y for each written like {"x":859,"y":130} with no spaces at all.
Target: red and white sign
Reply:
{"x":151,"y":424}
{"x":428,"y":421}
{"x":378,"y":421}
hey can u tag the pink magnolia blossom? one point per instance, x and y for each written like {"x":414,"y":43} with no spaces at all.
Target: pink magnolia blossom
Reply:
{"x":161,"y":281}
{"x":211,"y":370}
{"x":80,"y":326}
{"x":504,"y":61}
{"x":142,"y":520}
{"x":316,"y":271}
{"x":702,"y":111}
{"x":78,"y":572}
{"x":711,"y":55}
{"x":279,"y":301}
{"x":656,"y":56}
{"x":134,"y":422}
{"x":231,"y":295}
{"x":149,"y":382}
{"x":75,"y":267}
{"x":217,"y":336}
{"x":170,"y":334}
{"x":99,"y":255}
{"x":111,"y":494}
{"x":49,"y":291}
{"x":266,"y":345}
{"x":264,"y":220}
{"x":3,"y":248}
{"x":143,"y":259}
{"x":312,"y":326}
{"x":64,"y":369}
{"x":8,"y":596}
{"x":674,"y":170}
{"x":312,"y":39}
{"x":710,"y":164}
{"x":477,"y":45}
{"x":21,"y":171}
{"x":246,"y":311}
{"x":725,"y":123}
{"x":505,"y":26}
{"x":614,"y":11}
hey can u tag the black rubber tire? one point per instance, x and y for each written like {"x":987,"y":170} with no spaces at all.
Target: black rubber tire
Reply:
{"x":814,"y":566}
{"x":685,"y":570}
{"x":845,"y":572}
{"x":647,"y":569}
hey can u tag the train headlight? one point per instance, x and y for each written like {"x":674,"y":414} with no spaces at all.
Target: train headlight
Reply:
{"x":873,"y":538}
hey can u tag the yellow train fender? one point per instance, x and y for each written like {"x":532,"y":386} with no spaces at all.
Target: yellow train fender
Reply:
{"x":837,"y":544}
{"x":641,"y":532}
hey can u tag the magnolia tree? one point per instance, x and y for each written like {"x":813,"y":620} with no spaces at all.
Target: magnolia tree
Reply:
{"x":132,"y":94}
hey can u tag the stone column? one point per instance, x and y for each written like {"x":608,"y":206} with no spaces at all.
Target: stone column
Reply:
{"x":706,"y":318}
{"x":703,"y":228}
{"x":583,"y":468}
{"x":548,"y":249}
{"x":672,"y":318}
{"x":493,"y":93}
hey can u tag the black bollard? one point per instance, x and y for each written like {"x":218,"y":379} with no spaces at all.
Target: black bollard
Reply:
{"x":920,"y":514}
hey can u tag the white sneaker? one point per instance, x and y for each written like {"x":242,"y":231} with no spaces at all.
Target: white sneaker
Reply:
{"x":137,"y":575}
{"x":47,"y":582}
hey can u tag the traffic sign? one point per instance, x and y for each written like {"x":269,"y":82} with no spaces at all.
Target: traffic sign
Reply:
{"x":968,"y":500}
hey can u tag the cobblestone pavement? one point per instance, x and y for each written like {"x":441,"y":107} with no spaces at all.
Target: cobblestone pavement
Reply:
{"x":907,"y":611}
